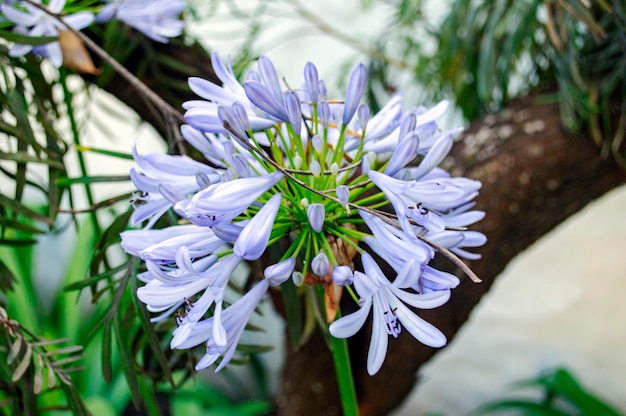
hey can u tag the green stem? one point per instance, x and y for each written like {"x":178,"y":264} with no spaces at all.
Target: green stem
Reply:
{"x":341,"y":357}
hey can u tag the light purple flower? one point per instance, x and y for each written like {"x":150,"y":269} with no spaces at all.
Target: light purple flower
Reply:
{"x":316,"y":213}
{"x":354,"y":93}
{"x":311,"y":81}
{"x":278,"y":273}
{"x":33,"y":21}
{"x":389,"y":313}
{"x":222,"y":202}
{"x":164,"y":177}
{"x":203,"y":116}
{"x":320,"y":264}
{"x":157,"y":19}
{"x":343,"y":275}
{"x":254,"y":237}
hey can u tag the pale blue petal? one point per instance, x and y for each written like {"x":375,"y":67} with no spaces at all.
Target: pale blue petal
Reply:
{"x":350,"y":324}
{"x":253,"y":239}
{"x":380,"y":338}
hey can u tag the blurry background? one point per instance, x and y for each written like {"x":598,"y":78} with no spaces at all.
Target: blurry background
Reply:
{"x":557,"y":304}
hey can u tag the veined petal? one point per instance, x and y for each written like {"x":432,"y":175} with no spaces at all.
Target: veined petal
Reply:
{"x":270,"y":78}
{"x":354,"y":92}
{"x":404,"y":154}
{"x":320,"y":264}
{"x":379,"y":340}
{"x":19,"y":17}
{"x":423,"y":331}
{"x":422,"y":301}
{"x":224,"y":201}
{"x":253,"y":239}
{"x":278,"y":273}
{"x":350,"y":324}
{"x":260,"y":96}
{"x":311,"y":80}
{"x":165,"y":295}
{"x":435,"y":155}
{"x":365,"y":285}
{"x":316,"y":213}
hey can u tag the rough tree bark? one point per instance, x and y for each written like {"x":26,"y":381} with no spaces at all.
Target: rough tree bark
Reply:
{"x":534,"y":175}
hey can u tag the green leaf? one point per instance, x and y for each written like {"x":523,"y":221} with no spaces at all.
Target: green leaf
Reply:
{"x":24,"y":364}
{"x":7,"y":279}
{"x":21,"y":209}
{"x":65,"y":181}
{"x":106,"y":152}
{"x":24,"y":157}
{"x":293,"y":311}
{"x":149,"y":332}
{"x":25,"y":39}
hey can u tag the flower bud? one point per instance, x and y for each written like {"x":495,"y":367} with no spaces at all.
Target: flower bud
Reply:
{"x":363,"y":113}
{"x":343,"y":275}
{"x":317,"y":143}
{"x":311,"y":81}
{"x":278,"y":273}
{"x":323,"y":111}
{"x":316,"y":213}
{"x":316,"y":170}
{"x":320,"y":264}
{"x":297,"y":278}
{"x":294,"y":111}
{"x":354,"y":93}
{"x":343,"y":194}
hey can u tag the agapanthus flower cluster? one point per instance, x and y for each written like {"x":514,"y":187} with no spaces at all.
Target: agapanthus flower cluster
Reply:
{"x":352,"y":202}
{"x":157,"y":19}
{"x":32,"y":21}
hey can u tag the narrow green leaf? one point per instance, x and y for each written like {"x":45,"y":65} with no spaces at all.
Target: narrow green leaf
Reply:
{"x":52,"y":380}
{"x":23,"y":366}
{"x":127,"y":360}
{"x":38,"y":381}
{"x":68,"y":360}
{"x":25,"y":39}
{"x":15,"y":349}
{"x":293,"y":312}
{"x":50,"y":342}
{"x":20,"y":226}
{"x":65,"y":350}
{"x":150,"y":333}
{"x":65,"y":181}
{"x":107,"y":152}
{"x":17,"y":243}
{"x":21,"y":209}
{"x":6,"y":278}
{"x":95,"y":279}
{"x":106,"y":352}
{"x":24,"y":157}
{"x":254,"y":349}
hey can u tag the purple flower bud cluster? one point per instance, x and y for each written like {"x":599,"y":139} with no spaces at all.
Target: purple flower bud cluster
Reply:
{"x":354,"y":199}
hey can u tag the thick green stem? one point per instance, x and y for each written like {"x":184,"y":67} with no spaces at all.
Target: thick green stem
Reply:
{"x":341,"y":357}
